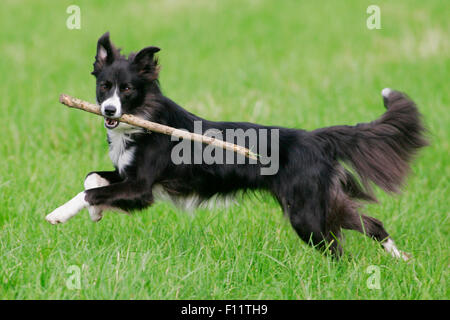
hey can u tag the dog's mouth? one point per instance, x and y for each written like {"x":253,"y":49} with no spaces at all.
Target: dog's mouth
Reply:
{"x":111,"y":123}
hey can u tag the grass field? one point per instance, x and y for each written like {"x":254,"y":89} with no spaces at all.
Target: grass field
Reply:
{"x":290,"y":63}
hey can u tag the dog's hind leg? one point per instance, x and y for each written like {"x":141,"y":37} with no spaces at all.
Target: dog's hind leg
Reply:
{"x":372,"y":228}
{"x":305,"y":203}
{"x":311,"y":229}
{"x":343,"y":212}
{"x":308,"y":220}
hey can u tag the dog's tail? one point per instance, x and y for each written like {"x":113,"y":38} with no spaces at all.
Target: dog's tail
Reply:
{"x":379,"y":151}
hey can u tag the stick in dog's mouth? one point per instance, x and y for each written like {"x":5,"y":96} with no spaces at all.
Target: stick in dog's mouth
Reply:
{"x":111,"y":123}
{"x":155,"y":127}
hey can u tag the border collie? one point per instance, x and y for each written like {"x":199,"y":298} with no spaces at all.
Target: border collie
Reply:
{"x":323,"y":175}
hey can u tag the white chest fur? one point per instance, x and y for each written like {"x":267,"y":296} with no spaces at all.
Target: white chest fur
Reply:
{"x":120,"y":154}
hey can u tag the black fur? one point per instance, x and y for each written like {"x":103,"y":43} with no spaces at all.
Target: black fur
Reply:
{"x":314,"y":190}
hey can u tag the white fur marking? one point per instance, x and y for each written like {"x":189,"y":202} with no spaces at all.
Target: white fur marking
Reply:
{"x":120,"y":155}
{"x":391,"y":248}
{"x":94,"y":181}
{"x":125,"y":158}
{"x":114,"y":100}
{"x":68,"y":210}
{"x":386,"y":92}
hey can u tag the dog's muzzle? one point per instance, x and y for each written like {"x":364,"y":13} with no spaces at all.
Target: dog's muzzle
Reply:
{"x":111,"y":114}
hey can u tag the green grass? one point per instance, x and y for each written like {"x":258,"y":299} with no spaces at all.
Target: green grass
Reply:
{"x":290,"y":63}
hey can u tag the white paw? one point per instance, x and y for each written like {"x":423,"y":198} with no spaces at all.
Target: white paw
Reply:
{"x":67,"y":210}
{"x":406,"y":256}
{"x":391,"y":248}
{"x":400,"y":255}
{"x":95,"y":213}
{"x":92,"y":181}
{"x":57,"y":216}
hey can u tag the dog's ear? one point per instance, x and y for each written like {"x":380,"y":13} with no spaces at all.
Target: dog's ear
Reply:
{"x":146,"y":64}
{"x":106,"y":53}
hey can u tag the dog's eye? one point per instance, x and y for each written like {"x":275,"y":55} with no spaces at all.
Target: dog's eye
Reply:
{"x":126,"y":89}
{"x":104,"y":86}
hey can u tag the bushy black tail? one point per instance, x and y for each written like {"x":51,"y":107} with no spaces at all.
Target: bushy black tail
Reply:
{"x":379,"y":151}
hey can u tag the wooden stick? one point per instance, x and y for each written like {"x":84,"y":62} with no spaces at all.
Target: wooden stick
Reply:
{"x":156,"y":127}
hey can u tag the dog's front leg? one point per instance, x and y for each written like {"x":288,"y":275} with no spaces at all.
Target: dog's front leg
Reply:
{"x":96,"y":180}
{"x":71,"y":208}
{"x":128,"y":195}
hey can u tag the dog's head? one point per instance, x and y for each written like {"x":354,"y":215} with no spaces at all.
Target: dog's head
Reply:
{"x":122,"y":83}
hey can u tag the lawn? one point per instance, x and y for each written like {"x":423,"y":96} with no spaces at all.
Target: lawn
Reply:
{"x":300,"y":64}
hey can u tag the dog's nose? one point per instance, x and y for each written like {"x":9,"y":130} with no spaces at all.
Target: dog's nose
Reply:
{"x":110,"y":110}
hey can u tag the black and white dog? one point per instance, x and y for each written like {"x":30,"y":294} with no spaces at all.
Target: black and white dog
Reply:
{"x":318,"y":194}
